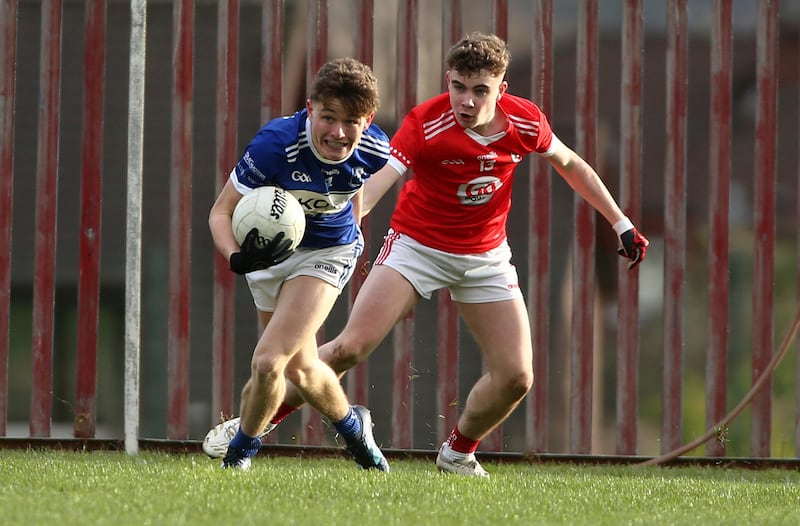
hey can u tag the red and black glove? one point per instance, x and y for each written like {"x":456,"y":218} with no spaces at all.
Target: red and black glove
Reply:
{"x":633,"y":245}
{"x":257,"y":253}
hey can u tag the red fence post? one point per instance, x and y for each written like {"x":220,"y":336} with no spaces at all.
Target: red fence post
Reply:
{"x":630,"y":201}
{"x":91,"y":206}
{"x":272,"y":32}
{"x":8,"y":66}
{"x":358,"y":376}
{"x":583,"y":286}
{"x":403,"y":337}
{"x":494,"y":440}
{"x":797,"y":346}
{"x":226,"y":157}
{"x":316,"y":56}
{"x":180,"y":221}
{"x":675,"y":224}
{"x":46,"y":205}
{"x":539,"y":193}
{"x":447,"y":341}
{"x":764,"y":220}
{"x":500,"y":18}
{"x":719,"y":223}
{"x":317,"y":45}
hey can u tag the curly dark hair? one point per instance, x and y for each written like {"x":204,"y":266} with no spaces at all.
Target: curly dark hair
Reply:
{"x":479,"y":52}
{"x":349,"y":81}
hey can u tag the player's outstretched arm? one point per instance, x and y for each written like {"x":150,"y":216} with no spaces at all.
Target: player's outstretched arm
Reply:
{"x":585,"y":181}
{"x":376,"y":186}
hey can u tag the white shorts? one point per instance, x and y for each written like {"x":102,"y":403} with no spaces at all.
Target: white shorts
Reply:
{"x":470,"y":278}
{"x":333,"y":265}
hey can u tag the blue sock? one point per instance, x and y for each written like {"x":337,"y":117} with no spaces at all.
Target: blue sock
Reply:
{"x":249,"y":445}
{"x":350,"y":425}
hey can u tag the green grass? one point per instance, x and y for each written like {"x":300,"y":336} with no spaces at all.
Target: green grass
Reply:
{"x":93,"y":488}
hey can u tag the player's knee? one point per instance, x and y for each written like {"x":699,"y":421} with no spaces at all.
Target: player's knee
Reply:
{"x":343,"y":354}
{"x":518,"y":385}
{"x":266,"y":365}
{"x":296,"y":376}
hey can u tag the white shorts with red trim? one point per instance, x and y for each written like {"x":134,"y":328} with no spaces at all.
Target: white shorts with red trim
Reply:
{"x":470,"y":278}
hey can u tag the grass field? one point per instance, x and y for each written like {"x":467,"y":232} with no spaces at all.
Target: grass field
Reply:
{"x":94,"y":488}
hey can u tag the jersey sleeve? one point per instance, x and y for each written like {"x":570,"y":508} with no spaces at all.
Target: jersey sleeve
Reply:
{"x":261,"y":161}
{"x":407,"y":143}
{"x":545,"y":136}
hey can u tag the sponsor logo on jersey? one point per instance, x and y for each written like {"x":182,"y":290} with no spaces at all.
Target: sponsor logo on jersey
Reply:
{"x":453,"y":161}
{"x":478,"y":191}
{"x":251,"y":166}
{"x":316,"y":203}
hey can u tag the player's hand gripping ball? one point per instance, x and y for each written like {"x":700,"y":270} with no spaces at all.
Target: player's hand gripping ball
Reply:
{"x":268,"y":223}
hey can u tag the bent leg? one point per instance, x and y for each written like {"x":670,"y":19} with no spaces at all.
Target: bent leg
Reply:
{"x":316,"y":383}
{"x":286,"y":334}
{"x":502,"y":332}
{"x":384,"y":298}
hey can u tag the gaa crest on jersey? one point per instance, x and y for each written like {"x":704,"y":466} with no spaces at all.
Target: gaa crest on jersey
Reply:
{"x":478,"y":191}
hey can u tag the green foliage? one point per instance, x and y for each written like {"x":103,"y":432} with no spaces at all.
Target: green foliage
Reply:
{"x":50,"y":487}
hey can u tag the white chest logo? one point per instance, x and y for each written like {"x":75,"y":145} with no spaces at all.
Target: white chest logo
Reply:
{"x":478,"y":191}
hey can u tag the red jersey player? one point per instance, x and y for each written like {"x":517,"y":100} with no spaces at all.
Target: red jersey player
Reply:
{"x":448,"y":230}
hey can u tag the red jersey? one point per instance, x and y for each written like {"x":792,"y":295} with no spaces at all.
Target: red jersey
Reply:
{"x":459,"y":197}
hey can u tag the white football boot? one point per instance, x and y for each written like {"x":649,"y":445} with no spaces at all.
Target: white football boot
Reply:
{"x":215,"y":444}
{"x":468,"y":466}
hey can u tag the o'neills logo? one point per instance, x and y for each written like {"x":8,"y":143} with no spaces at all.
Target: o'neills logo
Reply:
{"x":479,"y":190}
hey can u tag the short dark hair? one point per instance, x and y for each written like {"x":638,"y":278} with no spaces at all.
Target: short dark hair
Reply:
{"x":349,"y":81}
{"x":479,"y":52}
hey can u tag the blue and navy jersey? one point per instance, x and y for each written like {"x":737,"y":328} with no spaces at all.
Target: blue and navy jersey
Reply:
{"x":282,"y":154}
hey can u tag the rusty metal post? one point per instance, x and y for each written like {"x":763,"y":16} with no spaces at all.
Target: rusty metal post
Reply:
{"x":46,"y":218}
{"x":627,"y":400}
{"x":675,"y":224}
{"x":583,"y":282}
{"x":539,"y":195}
{"x":447,"y":341}
{"x":180,"y":221}
{"x":91,"y":207}
{"x":719,"y":218}
{"x":358,"y":377}
{"x":227,"y":105}
{"x":764,"y":220}
{"x":403,"y":337}
{"x":8,"y":67}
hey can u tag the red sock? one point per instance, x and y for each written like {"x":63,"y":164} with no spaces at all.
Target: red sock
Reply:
{"x":460,"y":443}
{"x":283,"y":411}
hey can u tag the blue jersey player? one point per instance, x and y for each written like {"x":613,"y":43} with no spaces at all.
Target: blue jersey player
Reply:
{"x":322,"y":155}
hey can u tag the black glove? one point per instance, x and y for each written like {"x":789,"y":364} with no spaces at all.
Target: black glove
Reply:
{"x":634,"y":246}
{"x":257,"y":253}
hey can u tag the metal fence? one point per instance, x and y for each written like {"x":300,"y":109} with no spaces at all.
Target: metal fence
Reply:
{"x":688,"y":115}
